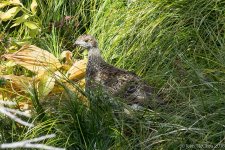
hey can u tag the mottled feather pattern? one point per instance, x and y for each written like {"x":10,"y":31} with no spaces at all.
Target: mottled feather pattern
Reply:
{"x":115,"y":81}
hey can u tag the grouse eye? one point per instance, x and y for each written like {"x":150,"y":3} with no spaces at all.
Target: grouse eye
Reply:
{"x":87,"y":40}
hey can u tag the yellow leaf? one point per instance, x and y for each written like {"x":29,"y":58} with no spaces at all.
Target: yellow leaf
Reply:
{"x":21,"y":43}
{"x":15,"y":2}
{"x":77,"y":71}
{"x":16,"y":86}
{"x":46,"y":85}
{"x":3,"y":4}
{"x":82,"y":83}
{"x":31,"y":25}
{"x":33,"y":6}
{"x":59,"y":76}
{"x":20,"y":20}
{"x":34,"y":59}
{"x":10,"y":64}
{"x":67,"y":56}
{"x":9,"y":14}
{"x":25,"y":107}
{"x":12,"y":48}
{"x":2,"y":68}
{"x":17,"y":83}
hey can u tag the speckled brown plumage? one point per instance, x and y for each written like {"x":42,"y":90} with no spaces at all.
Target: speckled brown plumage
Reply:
{"x":115,"y":81}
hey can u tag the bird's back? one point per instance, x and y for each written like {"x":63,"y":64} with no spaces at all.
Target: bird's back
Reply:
{"x":119,"y":83}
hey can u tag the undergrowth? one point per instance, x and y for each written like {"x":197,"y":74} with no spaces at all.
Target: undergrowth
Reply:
{"x":176,"y":46}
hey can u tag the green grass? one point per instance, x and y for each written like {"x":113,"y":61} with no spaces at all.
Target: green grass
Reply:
{"x":176,"y":46}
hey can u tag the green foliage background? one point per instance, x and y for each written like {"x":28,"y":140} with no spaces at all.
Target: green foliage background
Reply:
{"x":176,"y":46}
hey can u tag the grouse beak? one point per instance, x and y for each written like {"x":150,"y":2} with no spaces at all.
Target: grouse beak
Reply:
{"x":79,"y":43}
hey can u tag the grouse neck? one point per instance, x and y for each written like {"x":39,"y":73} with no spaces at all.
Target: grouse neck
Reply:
{"x":94,"y":52}
{"x":94,"y":56}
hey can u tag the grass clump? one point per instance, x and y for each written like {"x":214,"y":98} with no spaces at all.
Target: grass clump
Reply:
{"x":176,"y":46}
{"x":179,"y":47}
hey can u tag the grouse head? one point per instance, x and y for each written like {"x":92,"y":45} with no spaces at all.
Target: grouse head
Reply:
{"x":86,"y":41}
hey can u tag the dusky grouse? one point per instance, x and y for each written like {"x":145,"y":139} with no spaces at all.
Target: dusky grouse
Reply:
{"x":116,"y":82}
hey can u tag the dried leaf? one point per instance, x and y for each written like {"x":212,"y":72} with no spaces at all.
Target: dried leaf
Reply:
{"x":25,"y":106}
{"x":10,"y":64}
{"x":57,"y":75}
{"x":77,"y":71}
{"x":82,"y":83}
{"x":33,"y":6}
{"x":17,"y":82}
{"x":2,"y":68}
{"x":9,"y":14}
{"x":3,"y":4}
{"x":34,"y":59}
{"x":67,"y":56}
{"x":15,"y":2}
{"x":31,"y":25}
{"x":15,"y":86}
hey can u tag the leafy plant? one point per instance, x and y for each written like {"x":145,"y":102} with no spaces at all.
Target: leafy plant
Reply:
{"x":175,"y":46}
{"x":26,"y":18}
{"x":46,"y":72}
